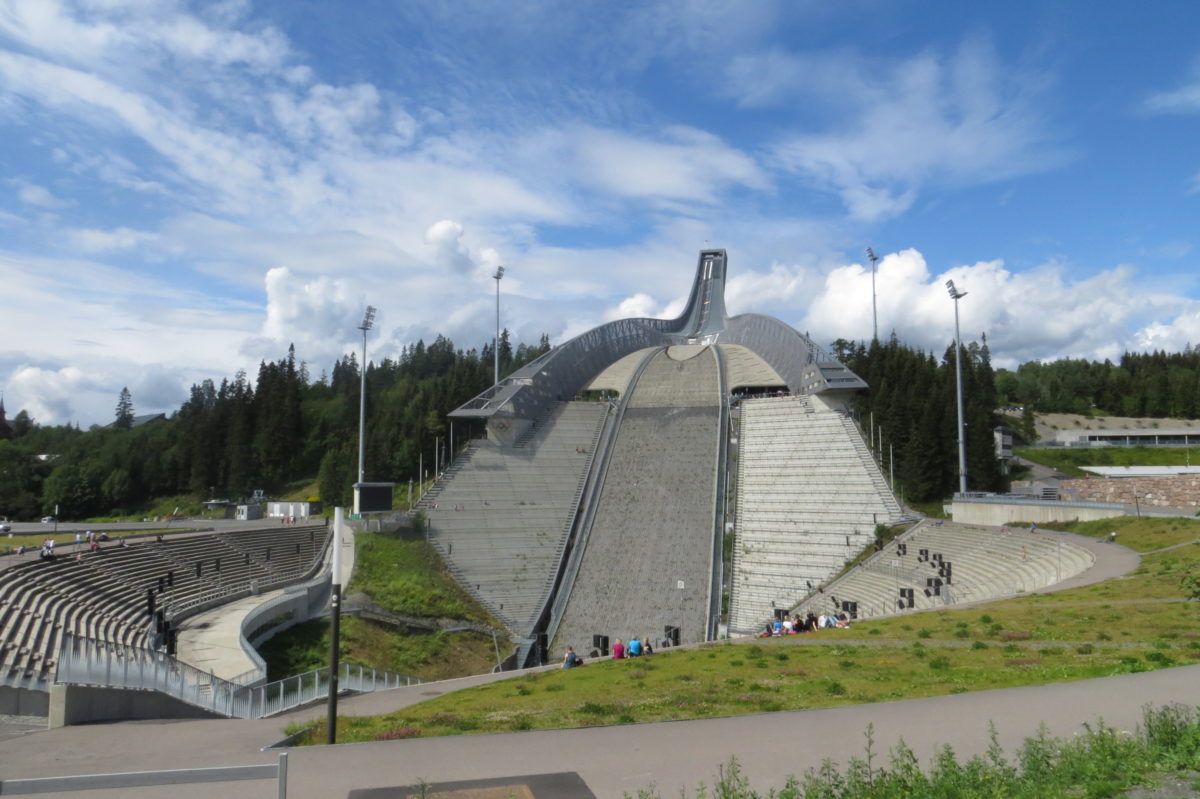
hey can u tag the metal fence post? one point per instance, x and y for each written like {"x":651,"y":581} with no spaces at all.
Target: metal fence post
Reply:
{"x":283,"y":760}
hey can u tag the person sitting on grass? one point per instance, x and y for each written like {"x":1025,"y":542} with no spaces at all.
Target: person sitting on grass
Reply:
{"x":618,"y":650}
{"x":571,"y":660}
{"x":635,"y":647}
{"x":647,"y":649}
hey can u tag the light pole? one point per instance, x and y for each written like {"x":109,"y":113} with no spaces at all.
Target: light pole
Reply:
{"x":874,"y":316}
{"x":367,"y":323}
{"x":496,"y":348}
{"x":335,"y":612}
{"x":957,"y":295}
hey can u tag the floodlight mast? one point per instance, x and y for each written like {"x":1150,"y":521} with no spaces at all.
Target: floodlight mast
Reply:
{"x":874,"y":315}
{"x":496,"y":348}
{"x":367,"y":323}
{"x":956,"y":295}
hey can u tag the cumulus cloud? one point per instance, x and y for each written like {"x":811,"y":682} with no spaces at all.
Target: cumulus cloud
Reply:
{"x":51,"y":395}
{"x":449,"y":250}
{"x":642,"y":305}
{"x":1030,"y":315}
{"x":318,"y":315}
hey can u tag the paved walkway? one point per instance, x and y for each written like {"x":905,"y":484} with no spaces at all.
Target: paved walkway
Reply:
{"x":611,"y":760}
{"x":212,"y":640}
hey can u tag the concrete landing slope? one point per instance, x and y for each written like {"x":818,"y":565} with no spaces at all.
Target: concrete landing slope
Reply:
{"x":647,"y":561}
{"x":501,"y":516}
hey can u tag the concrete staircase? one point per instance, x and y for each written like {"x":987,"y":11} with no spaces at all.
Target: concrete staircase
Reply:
{"x":809,"y":496}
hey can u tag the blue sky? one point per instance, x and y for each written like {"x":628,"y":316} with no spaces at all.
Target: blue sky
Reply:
{"x":185,"y":189}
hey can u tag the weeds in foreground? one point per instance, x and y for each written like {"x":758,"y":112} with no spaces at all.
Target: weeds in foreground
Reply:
{"x":1099,"y":762}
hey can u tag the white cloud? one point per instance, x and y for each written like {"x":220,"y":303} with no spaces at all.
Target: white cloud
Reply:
{"x":956,"y":121}
{"x":106,"y":35}
{"x":122,"y":238}
{"x":683,"y":164}
{"x":449,"y":251}
{"x":38,"y":196}
{"x":1031,"y":315}
{"x":1184,"y":99}
{"x":318,"y":315}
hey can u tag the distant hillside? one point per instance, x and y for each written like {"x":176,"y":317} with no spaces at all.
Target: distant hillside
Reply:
{"x":1047,"y":423}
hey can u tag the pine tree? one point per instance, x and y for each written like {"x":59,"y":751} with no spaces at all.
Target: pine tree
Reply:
{"x":124,"y":418}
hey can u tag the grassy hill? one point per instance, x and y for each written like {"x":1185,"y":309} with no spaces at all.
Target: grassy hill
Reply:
{"x":1134,"y":623}
{"x":401,"y":574}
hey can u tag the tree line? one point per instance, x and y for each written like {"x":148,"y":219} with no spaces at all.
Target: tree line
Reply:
{"x":1152,"y":384}
{"x":913,"y":401}
{"x":228,"y":439}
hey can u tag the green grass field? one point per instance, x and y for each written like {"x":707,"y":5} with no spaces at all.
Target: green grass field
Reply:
{"x":1068,"y":460}
{"x":1138,"y":622}
{"x":404,"y":575}
{"x":425,"y":655}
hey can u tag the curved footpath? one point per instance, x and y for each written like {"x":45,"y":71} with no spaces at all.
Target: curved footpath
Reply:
{"x":669,"y":756}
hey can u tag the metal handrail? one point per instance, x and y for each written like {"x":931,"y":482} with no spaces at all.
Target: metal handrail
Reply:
{"x":86,"y":661}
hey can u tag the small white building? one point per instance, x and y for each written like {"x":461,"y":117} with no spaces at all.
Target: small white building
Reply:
{"x":248,"y":513}
{"x":295,"y":509}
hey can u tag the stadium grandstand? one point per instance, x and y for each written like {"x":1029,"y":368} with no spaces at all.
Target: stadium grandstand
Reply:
{"x":127,"y":599}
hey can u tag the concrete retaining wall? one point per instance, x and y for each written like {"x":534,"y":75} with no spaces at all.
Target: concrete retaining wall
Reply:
{"x":999,"y":513}
{"x":23,"y":702}
{"x":80,"y":704}
{"x":298,"y":604}
{"x":1178,"y":491}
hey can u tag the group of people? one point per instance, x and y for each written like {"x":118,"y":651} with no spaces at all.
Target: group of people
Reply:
{"x":634,"y":648}
{"x":807,"y":624}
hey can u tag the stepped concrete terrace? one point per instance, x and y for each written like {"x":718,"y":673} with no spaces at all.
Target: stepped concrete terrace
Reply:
{"x":987,"y":563}
{"x":501,"y":515}
{"x":809,"y":495}
{"x":103,"y":595}
{"x":648,"y":556}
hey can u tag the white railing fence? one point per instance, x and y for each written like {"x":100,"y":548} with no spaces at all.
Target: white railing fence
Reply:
{"x":84,"y":661}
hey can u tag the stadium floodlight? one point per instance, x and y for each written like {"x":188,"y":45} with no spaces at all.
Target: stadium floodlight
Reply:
{"x":956,"y":295}
{"x":367,"y":323}
{"x":496,"y":347}
{"x":874,"y":315}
